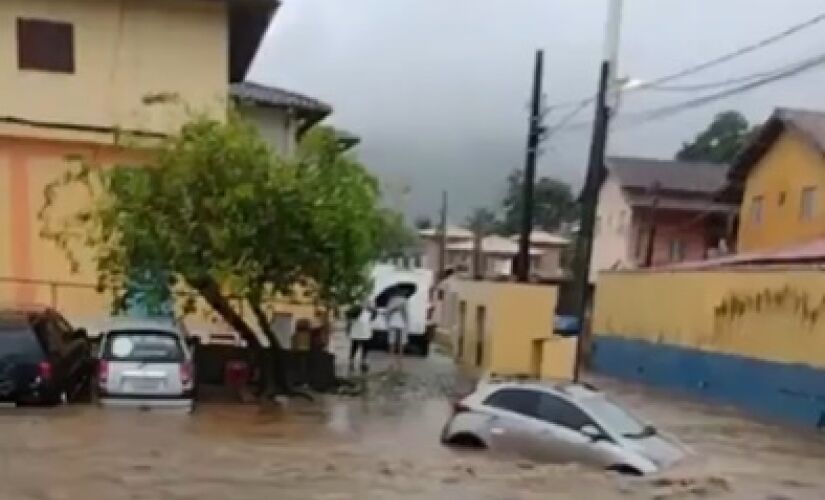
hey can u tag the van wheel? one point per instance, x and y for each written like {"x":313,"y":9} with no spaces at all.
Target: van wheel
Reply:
{"x":625,"y":470}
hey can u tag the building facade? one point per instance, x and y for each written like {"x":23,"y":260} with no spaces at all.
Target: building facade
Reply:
{"x":281,"y":116}
{"x":659,"y":212}
{"x":101,"y":80}
{"x":780,"y":180}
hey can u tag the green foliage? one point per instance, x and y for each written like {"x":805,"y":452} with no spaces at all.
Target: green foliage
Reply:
{"x":397,"y":238}
{"x":554,"y":203}
{"x":215,"y":208}
{"x":423,"y":222}
{"x":720,"y":142}
{"x":483,"y":221}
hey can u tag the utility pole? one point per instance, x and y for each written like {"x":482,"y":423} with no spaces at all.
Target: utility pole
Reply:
{"x":595,"y":176}
{"x":442,"y":238}
{"x":534,"y":132}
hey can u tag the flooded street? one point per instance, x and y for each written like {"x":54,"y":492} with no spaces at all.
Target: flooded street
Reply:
{"x":380,"y":445}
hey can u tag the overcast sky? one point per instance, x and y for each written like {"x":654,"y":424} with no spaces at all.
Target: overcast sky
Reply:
{"x":438,"y":89}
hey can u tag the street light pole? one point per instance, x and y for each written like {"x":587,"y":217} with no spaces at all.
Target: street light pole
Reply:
{"x":595,"y":176}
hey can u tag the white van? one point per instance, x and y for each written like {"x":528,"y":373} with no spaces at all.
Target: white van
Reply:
{"x":418,"y":306}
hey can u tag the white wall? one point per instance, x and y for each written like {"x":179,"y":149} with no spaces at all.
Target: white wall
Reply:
{"x":276,"y":126}
{"x":613,"y":232}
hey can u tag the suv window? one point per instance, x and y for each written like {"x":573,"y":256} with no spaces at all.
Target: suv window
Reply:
{"x":17,"y":340}
{"x":143,"y":346}
{"x":558,"y":411}
{"x":523,"y":401}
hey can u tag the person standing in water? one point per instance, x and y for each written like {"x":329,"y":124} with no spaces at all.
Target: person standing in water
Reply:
{"x":360,"y":333}
{"x":397,"y":324}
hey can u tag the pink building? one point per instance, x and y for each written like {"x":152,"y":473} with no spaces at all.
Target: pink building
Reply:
{"x":659,"y":212}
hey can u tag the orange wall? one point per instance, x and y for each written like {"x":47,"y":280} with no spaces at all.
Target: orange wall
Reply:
{"x":27,"y":166}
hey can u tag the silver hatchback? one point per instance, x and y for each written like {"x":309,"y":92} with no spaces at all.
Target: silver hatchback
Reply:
{"x":145,"y":364}
{"x":560,"y":423}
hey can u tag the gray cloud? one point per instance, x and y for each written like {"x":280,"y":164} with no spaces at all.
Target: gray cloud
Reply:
{"x":438,"y":88}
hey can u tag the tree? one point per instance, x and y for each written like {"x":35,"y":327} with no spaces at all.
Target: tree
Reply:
{"x":483,"y":221}
{"x":554,"y":203}
{"x":720,"y":142}
{"x":423,"y":222}
{"x":215,"y":212}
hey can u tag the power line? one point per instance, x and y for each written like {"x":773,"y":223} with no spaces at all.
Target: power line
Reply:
{"x":629,"y":120}
{"x":673,"y":109}
{"x":765,"y":42}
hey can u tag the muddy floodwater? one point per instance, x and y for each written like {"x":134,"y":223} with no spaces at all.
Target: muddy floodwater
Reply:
{"x":383,"y":445}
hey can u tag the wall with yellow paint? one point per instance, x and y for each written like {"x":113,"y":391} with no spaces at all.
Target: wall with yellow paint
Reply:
{"x":124,"y":50}
{"x":779,"y":178}
{"x":558,"y":358}
{"x":505,"y":319}
{"x":774,"y":315}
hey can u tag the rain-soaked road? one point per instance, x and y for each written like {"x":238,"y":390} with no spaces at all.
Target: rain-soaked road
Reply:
{"x":383,"y":445}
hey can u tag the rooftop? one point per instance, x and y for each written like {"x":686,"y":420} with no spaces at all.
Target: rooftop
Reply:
{"x":809,"y":124}
{"x":669,"y":175}
{"x":453,"y":232}
{"x":492,"y":244}
{"x":248,"y":23}
{"x":264,"y":95}
{"x":538,"y":237}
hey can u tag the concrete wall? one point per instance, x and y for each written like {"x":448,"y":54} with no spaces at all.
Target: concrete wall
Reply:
{"x":124,"y":50}
{"x":275,"y":125}
{"x":27,"y":166}
{"x":788,"y":167}
{"x":611,"y":244}
{"x":514,"y":317}
{"x":755,"y":339}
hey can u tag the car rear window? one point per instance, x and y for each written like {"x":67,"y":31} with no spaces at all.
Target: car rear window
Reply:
{"x":143,"y":345}
{"x":19,"y":341}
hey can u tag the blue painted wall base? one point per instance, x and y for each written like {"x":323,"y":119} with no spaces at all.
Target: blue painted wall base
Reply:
{"x":790,"y":393}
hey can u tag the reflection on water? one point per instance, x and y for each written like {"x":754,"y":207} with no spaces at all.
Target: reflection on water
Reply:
{"x":383,"y":444}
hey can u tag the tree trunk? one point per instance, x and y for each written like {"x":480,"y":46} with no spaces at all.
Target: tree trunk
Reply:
{"x":275,"y":369}
{"x":211,"y":292}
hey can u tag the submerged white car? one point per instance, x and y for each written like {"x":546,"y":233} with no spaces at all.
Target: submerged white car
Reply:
{"x":145,"y":364}
{"x":559,"y":424}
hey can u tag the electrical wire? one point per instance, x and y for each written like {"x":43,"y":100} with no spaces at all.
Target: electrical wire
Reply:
{"x":765,"y":42}
{"x":670,"y":110}
{"x":630,"y":120}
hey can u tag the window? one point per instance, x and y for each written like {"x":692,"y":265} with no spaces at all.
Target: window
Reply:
{"x":677,"y":250}
{"x":558,"y":411}
{"x":521,"y":401}
{"x":756,"y":210}
{"x":45,"y":46}
{"x":481,"y":326}
{"x":807,"y":203}
{"x":142,"y":346}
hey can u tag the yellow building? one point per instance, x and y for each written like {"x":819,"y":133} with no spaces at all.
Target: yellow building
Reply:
{"x":781,"y":178}
{"x":505,"y":329}
{"x":76,"y":75}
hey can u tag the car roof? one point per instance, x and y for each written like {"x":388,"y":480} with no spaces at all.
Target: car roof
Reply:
{"x":572,"y":390}
{"x":114,"y":324}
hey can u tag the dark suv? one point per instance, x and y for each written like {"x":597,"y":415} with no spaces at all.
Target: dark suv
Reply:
{"x":43,"y":360}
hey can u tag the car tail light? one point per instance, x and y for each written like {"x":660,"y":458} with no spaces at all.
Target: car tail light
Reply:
{"x":186,"y":372}
{"x":102,"y":372}
{"x":44,"y":370}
